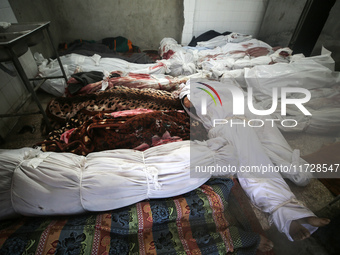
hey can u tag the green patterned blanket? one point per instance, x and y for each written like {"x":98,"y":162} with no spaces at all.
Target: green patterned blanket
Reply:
{"x":199,"y":222}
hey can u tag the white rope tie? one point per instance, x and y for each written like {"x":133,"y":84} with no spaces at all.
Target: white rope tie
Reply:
{"x":151,"y":173}
{"x":36,"y":159}
{"x":292,"y":200}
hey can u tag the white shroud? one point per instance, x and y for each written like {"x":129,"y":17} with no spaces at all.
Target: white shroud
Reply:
{"x":255,"y":146}
{"x":33,"y":182}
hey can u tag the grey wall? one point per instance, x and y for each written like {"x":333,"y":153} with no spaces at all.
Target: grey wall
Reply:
{"x":330,"y":35}
{"x":37,"y":11}
{"x":280,"y":21}
{"x":144,"y":22}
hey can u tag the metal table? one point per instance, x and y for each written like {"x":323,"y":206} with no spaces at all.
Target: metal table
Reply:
{"x":14,"y":42}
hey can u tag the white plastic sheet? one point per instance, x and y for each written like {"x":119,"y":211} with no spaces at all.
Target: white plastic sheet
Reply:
{"x":319,"y":80}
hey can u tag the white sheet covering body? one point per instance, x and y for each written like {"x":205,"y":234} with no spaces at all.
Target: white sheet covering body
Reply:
{"x":47,"y":183}
{"x":307,"y":73}
{"x":256,"y":147}
{"x":73,"y":62}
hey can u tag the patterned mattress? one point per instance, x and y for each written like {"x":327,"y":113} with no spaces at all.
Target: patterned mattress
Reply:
{"x":199,"y":222}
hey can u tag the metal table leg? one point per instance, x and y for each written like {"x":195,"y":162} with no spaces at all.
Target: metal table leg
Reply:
{"x":27,"y":82}
{"x":56,"y":53}
{"x":29,"y":87}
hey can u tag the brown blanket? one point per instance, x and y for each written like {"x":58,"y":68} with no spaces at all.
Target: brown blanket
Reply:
{"x":117,"y":98}
{"x":138,"y":131}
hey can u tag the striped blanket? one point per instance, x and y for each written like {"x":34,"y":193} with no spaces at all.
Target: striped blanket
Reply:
{"x":198,"y":222}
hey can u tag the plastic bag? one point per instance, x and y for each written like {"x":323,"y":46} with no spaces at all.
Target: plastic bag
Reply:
{"x":55,"y":87}
{"x":168,"y":47}
{"x":181,"y":63}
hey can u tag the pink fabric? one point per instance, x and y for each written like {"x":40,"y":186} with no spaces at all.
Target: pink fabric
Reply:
{"x":156,"y":140}
{"x":142,"y":147}
{"x":66,"y":135}
{"x":166,"y":138}
{"x":137,"y":80}
{"x":130,"y":112}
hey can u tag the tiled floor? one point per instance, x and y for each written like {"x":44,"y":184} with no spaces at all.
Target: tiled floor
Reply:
{"x":21,"y":134}
{"x":314,"y":195}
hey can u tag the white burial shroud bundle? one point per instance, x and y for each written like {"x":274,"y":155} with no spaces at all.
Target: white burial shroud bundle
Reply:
{"x":33,"y":182}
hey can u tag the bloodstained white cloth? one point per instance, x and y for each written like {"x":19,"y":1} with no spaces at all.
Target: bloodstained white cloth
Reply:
{"x":254,"y":147}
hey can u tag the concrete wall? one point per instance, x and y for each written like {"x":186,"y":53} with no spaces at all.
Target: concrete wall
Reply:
{"x":37,"y":11}
{"x":280,"y":20}
{"x":144,"y":22}
{"x":330,"y":35}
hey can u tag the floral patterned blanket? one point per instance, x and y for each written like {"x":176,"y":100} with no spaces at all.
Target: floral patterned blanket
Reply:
{"x":199,"y":222}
